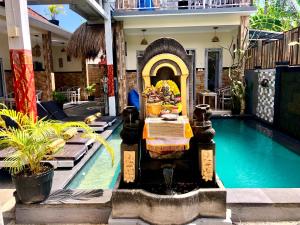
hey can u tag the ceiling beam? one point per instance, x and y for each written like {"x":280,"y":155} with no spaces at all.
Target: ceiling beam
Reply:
{"x":49,"y":2}
{"x":82,"y":7}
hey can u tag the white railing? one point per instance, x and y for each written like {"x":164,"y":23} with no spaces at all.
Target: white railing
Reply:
{"x":178,"y":4}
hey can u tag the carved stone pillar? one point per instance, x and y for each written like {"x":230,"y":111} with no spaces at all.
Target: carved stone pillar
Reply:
{"x":203,"y":140}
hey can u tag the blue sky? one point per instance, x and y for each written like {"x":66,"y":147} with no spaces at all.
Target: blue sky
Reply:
{"x":69,"y":21}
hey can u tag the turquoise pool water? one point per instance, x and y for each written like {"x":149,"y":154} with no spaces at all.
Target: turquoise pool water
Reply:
{"x":247,"y":158}
{"x":98,"y":172}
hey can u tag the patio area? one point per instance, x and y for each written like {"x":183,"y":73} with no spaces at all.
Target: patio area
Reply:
{"x":167,"y":115}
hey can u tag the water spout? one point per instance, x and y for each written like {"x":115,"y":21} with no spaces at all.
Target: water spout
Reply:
{"x":168,"y":171}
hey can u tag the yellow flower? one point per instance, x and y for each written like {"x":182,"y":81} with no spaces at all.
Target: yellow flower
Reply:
{"x":173,"y":86}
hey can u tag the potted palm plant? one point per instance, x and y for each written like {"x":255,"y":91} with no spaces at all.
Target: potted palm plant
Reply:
{"x":33,"y":141}
{"x":53,"y":11}
{"x":90,"y":90}
{"x":59,"y":98}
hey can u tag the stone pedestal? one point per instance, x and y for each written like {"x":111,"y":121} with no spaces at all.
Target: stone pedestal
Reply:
{"x":129,"y":163}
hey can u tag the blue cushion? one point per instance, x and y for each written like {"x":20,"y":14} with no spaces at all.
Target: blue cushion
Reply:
{"x":133,"y":99}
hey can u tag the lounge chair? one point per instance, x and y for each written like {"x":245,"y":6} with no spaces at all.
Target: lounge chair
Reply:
{"x":70,"y":152}
{"x":77,"y":139}
{"x":54,"y":112}
{"x":66,"y":157}
{"x":108,"y":119}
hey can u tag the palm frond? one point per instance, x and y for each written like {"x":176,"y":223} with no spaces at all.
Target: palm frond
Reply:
{"x":33,"y":140}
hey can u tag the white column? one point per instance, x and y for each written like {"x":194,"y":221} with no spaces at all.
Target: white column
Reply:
{"x":17,"y":24}
{"x":109,"y":58}
{"x":20,"y":55}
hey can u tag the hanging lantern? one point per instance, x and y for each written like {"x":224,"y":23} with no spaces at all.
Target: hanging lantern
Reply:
{"x":215,"y":38}
{"x":36,"y":50}
{"x":144,"y":40}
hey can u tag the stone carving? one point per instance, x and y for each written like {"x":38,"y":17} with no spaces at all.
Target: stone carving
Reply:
{"x":207,"y":166}
{"x":129,"y":166}
{"x":130,"y":133}
{"x":202,"y":128}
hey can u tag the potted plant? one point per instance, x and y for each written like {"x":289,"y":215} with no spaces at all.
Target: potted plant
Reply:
{"x":90,"y":90}
{"x":59,"y":98}
{"x":53,"y":11}
{"x":33,"y":141}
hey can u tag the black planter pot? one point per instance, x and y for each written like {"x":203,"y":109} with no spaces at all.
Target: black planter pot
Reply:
{"x":35,"y":188}
{"x":55,"y":22}
{"x":91,"y":98}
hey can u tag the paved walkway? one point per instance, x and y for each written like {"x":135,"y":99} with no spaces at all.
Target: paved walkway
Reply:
{"x":257,"y":223}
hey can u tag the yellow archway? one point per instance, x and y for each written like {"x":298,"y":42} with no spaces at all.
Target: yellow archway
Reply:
{"x":184,"y":72}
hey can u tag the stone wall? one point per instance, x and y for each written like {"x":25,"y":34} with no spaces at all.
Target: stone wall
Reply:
{"x":42,"y":82}
{"x":131,"y":80}
{"x":69,"y":79}
{"x":266,"y":95}
{"x":96,"y":74}
{"x":225,"y":78}
{"x":200,"y":76}
{"x":287,"y":104}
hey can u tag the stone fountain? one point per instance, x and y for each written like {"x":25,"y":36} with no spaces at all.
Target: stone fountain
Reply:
{"x":172,"y":190}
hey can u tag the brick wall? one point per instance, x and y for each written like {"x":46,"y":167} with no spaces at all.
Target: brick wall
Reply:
{"x":199,"y":81}
{"x":131,"y":79}
{"x":69,"y":79}
{"x":95,"y":75}
{"x":9,"y":81}
{"x":42,"y":82}
{"x":225,"y":78}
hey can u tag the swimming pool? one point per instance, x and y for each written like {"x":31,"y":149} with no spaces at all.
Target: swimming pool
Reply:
{"x":98,"y":173}
{"x":247,"y":158}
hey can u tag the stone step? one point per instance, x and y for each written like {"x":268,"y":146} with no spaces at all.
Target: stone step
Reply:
{"x":200,"y":221}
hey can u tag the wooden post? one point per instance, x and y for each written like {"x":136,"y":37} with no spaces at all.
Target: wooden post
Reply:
{"x":20,"y":55}
{"x":110,"y":62}
{"x":85,"y":76}
{"x":259,"y":53}
{"x":121,"y":65}
{"x":48,"y":61}
{"x":243,"y":37}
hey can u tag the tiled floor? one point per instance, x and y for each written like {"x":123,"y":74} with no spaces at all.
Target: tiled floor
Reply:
{"x":257,"y":223}
{"x":271,"y":223}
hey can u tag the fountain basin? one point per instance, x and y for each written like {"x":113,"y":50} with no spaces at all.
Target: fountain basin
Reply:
{"x":169,"y":209}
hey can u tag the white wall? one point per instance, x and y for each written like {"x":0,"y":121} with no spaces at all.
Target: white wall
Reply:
{"x":72,"y":66}
{"x":198,"y":41}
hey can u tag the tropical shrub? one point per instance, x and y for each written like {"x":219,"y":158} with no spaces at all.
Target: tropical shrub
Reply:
{"x":34,"y":140}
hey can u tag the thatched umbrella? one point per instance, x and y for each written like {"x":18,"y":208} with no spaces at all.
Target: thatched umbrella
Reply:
{"x":87,"y":41}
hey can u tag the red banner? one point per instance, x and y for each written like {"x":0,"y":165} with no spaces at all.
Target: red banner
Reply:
{"x":110,"y":82}
{"x":24,"y":86}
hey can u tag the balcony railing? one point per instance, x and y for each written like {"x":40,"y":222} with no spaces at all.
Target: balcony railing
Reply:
{"x":178,"y":4}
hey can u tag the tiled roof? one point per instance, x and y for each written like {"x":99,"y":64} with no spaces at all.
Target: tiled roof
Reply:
{"x":37,"y":16}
